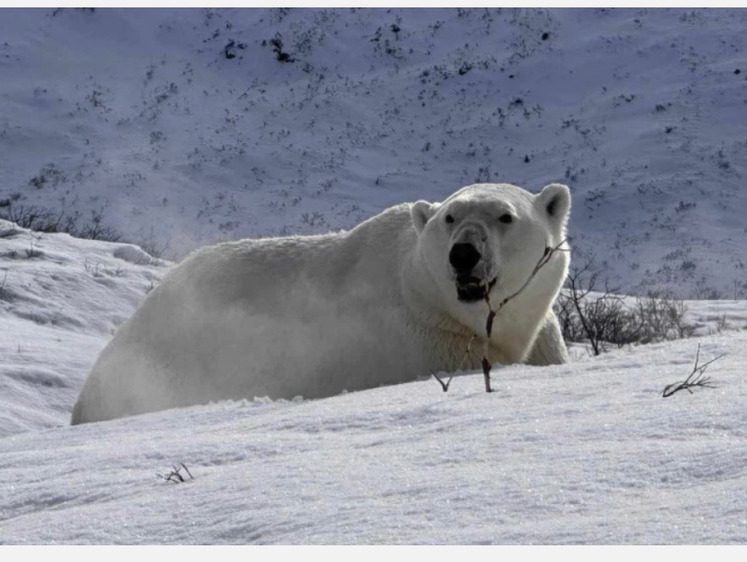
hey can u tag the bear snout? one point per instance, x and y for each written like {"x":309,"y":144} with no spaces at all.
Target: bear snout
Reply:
{"x":464,"y":257}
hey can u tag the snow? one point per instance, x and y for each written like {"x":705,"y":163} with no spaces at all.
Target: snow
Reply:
{"x":584,"y":453}
{"x":59,"y":296}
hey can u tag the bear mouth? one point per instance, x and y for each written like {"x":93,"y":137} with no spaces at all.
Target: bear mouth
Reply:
{"x":472,"y":289}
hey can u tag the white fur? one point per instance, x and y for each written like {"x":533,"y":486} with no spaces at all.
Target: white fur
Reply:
{"x":316,"y":315}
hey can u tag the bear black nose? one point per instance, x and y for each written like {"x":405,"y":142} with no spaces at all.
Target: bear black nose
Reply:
{"x":463,"y":257}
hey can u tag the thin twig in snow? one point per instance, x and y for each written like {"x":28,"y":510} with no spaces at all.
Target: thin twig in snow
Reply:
{"x":695,"y":378}
{"x":175,"y":475}
{"x":445,"y":385}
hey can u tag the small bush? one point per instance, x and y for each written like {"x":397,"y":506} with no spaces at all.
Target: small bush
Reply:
{"x":34,"y":218}
{"x":604,"y":319}
{"x":41,"y":219}
{"x":277,"y":48}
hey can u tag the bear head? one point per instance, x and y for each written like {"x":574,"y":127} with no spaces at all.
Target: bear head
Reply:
{"x":489,"y":238}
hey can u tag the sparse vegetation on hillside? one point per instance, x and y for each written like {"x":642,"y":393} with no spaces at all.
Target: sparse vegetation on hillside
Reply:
{"x":386,"y":106}
{"x":42,"y":219}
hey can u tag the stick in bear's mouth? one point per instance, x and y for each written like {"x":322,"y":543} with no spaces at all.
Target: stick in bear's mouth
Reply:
{"x":484,"y":295}
{"x":486,"y":365}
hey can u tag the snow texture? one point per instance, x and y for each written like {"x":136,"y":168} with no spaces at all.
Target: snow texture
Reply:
{"x":587,"y":452}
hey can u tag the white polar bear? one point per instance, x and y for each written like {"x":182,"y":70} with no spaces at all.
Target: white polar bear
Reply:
{"x":394,"y":299}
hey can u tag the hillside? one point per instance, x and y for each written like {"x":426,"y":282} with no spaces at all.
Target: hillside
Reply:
{"x":179,"y":127}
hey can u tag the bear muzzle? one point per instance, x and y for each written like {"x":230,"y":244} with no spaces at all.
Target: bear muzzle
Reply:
{"x":471,"y":280}
{"x":470,"y":264}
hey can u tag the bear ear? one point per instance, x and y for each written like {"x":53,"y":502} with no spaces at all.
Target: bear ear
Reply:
{"x":421,"y":212}
{"x":555,"y":200}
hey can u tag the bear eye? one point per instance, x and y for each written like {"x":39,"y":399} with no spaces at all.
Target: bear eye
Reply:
{"x":449,"y":219}
{"x":506,"y":218}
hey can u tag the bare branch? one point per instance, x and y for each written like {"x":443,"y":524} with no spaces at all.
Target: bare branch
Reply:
{"x":444,"y":385}
{"x":175,"y":475}
{"x":696,"y":378}
{"x":549,"y":252}
{"x":486,"y":365}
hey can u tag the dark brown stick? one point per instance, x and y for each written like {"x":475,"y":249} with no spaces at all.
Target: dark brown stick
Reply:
{"x":695,"y":378}
{"x":486,"y":365}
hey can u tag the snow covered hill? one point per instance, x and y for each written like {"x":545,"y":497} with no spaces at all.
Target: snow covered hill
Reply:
{"x":183,"y":126}
{"x":61,"y":299}
{"x":587,"y":452}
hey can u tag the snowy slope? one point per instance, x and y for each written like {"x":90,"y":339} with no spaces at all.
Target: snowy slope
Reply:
{"x":184,"y":126}
{"x":587,"y":452}
{"x":60,"y":300}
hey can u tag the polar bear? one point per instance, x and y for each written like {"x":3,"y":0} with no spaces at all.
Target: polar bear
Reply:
{"x":396,"y":298}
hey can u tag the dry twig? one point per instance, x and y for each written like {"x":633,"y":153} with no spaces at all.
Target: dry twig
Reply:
{"x":486,"y":365}
{"x":175,"y":475}
{"x":445,"y":385}
{"x":485,"y":362}
{"x":695,"y":378}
